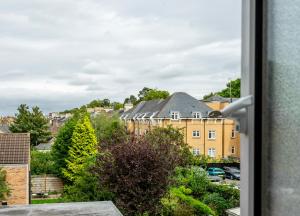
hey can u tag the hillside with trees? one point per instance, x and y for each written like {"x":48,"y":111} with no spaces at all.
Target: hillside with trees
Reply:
{"x":147,"y":94}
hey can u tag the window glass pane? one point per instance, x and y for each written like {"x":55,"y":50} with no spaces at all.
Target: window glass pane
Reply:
{"x":281,"y":110}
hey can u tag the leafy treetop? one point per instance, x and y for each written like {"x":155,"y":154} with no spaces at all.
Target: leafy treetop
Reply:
{"x":234,"y":86}
{"x":147,"y":94}
{"x":33,"y":122}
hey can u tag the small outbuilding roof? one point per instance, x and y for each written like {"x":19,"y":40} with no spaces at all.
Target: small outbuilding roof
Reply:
{"x":14,"y":148}
{"x":104,"y":208}
{"x":44,"y":147}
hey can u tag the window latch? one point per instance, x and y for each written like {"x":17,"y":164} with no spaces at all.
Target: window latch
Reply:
{"x":237,"y":110}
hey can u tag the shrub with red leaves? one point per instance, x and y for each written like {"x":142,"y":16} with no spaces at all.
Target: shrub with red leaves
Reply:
{"x":138,"y":170}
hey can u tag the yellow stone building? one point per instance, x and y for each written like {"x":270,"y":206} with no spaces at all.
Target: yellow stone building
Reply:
{"x":216,"y":137}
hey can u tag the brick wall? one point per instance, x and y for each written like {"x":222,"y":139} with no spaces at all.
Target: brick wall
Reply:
{"x":17,"y":177}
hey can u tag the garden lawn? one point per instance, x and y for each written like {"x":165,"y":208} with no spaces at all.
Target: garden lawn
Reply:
{"x":43,"y":201}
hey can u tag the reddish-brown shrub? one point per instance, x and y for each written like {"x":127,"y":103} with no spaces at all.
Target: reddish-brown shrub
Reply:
{"x":138,"y":170}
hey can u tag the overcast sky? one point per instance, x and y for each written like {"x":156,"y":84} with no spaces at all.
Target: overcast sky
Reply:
{"x":60,"y":54}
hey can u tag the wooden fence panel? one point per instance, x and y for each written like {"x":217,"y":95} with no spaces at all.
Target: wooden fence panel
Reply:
{"x":46,"y":184}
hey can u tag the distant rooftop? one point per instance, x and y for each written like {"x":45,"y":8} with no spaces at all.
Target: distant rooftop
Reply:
{"x":45,"y":146}
{"x":219,"y":98}
{"x":161,"y":108}
{"x":4,"y":128}
{"x":104,"y":208}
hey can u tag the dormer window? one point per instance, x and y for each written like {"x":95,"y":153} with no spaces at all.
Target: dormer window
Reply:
{"x":196,"y":115}
{"x":174,"y":115}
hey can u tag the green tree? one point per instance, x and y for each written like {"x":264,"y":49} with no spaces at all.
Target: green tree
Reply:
{"x":62,"y":143}
{"x":132,"y":99}
{"x":108,"y":128}
{"x":156,"y":94}
{"x":163,"y":137}
{"x":143,"y":92}
{"x":33,"y":122}
{"x":82,"y":149}
{"x":147,"y":94}
{"x":42,"y":163}
{"x":4,"y":189}
{"x":235,"y":86}
{"x":233,"y":89}
{"x":106,"y":103}
{"x":150,"y":94}
{"x":94,"y":103}
{"x":117,"y":105}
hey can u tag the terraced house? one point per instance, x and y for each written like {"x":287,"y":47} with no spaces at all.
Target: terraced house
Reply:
{"x":216,"y":137}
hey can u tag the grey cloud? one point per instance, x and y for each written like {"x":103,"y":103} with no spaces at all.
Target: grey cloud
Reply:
{"x":63,"y":53}
{"x":95,"y":88}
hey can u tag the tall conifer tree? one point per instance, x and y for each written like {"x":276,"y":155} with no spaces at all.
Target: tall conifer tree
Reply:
{"x":83,"y":149}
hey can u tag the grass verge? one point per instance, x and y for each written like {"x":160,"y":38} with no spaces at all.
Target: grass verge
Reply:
{"x":44,"y":201}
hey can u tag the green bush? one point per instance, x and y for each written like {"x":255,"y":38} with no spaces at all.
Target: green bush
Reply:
{"x":200,"y":208}
{"x":217,"y":202}
{"x":108,"y":129}
{"x":4,"y":189}
{"x":42,"y":163}
{"x":231,"y":195}
{"x":198,"y":181}
{"x":192,"y":188}
{"x":184,"y":210}
{"x":86,"y":188}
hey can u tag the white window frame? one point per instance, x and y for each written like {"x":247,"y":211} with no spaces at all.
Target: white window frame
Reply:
{"x":247,"y":143}
{"x":211,"y":152}
{"x":212,"y":134}
{"x":175,"y":116}
{"x":232,"y":150}
{"x":196,"y":115}
{"x":196,"y":134}
{"x":196,"y":151}
{"x":233,"y":133}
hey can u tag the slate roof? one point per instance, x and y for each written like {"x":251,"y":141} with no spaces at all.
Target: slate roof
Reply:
{"x":219,"y":99}
{"x":14,"y":148}
{"x":178,"y":102}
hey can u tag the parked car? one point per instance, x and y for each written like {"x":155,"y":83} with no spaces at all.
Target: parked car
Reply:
{"x":214,"y":171}
{"x":232,"y":173}
{"x":211,"y":178}
{"x":214,"y":178}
